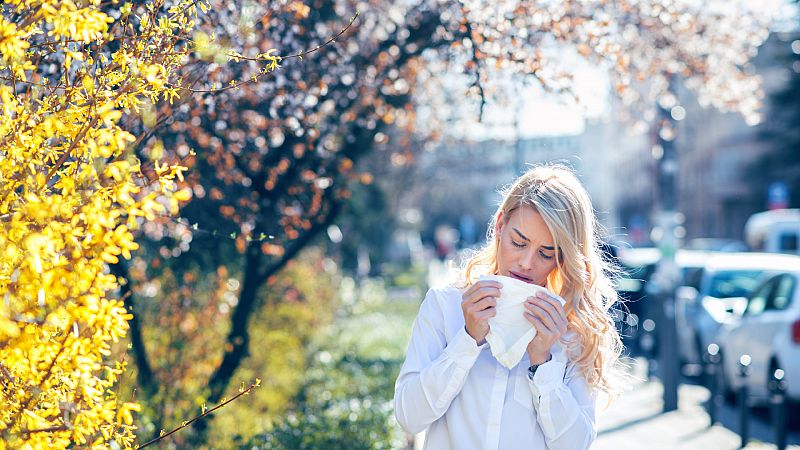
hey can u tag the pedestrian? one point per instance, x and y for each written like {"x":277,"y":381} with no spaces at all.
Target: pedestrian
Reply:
{"x":543,"y":233}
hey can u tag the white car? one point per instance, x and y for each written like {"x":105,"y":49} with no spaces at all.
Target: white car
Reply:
{"x":716,"y":297}
{"x":769,"y":332}
{"x":774,"y":231}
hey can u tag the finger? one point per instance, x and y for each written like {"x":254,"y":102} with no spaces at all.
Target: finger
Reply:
{"x":538,"y":324}
{"x":556,"y":322}
{"x":554,"y":306}
{"x":479,"y":294}
{"x":538,"y":308}
{"x":554,"y":309}
{"x":487,"y":313}
{"x":551,"y":298}
{"x":544,"y":316}
{"x":487,"y":302}
{"x":480,"y":284}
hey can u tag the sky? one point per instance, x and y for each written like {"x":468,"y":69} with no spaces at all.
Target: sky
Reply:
{"x":544,"y":114}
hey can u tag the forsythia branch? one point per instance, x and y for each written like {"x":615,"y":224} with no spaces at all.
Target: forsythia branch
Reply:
{"x":242,"y":392}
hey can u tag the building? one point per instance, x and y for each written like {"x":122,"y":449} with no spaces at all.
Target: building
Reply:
{"x":463,"y":177}
{"x":714,"y":150}
{"x":619,"y":176}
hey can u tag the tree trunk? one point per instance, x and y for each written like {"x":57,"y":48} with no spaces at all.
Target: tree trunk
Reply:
{"x":145,"y":378}
{"x":238,"y":338}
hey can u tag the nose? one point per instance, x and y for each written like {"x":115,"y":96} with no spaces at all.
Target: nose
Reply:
{"x":527,"y":260}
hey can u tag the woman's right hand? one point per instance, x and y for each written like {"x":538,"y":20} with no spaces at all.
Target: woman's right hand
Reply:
{"x":478,"y":305}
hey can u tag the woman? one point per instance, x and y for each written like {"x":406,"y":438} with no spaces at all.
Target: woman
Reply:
{"x":544,"y":232}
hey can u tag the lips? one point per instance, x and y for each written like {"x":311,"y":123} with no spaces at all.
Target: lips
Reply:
{"x":520,"y":276}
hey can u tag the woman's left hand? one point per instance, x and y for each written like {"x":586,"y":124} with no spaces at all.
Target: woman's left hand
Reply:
{"x":547,"y":315}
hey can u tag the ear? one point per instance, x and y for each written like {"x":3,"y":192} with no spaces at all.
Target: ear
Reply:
{"x":499,"y":223}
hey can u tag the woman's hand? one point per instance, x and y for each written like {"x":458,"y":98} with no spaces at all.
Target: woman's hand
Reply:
{"x":478,"y":305}
{"x":546,"y":314}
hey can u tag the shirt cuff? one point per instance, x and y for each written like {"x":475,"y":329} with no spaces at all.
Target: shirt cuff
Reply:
{"x":463,"y":349}
{"x":547,"y":378}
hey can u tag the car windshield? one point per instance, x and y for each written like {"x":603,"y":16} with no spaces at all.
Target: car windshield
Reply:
{"x":733,"y":283}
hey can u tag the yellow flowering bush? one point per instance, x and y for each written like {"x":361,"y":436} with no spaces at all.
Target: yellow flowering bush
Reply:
{"x":71,"y":194}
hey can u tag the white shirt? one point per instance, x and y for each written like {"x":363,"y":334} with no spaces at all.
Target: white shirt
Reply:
{"x":467,"y":400}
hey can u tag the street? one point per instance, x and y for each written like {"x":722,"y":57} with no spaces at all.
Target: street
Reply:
{"x":635,"y":421}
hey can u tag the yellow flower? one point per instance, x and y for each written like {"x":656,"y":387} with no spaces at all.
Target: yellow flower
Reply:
{"x":70,"y":202}
{"x":12,"y":41}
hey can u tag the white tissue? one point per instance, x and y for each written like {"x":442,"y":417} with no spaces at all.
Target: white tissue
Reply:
{"x":509,"y":330}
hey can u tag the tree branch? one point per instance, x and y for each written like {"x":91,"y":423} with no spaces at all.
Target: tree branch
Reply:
{"x":238,"y":337}
{"x":145,"y":377}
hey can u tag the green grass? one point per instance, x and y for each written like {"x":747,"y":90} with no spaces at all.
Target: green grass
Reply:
{"x":346,"y":401}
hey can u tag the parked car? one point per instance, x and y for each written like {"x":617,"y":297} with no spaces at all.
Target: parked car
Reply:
{"x":639,"y":264}
{"x":716,"y":245}
{"x":716,"y":296}
{"x":769,"y":332}
{"x":774,"y":231}
{"x":691,"y":263}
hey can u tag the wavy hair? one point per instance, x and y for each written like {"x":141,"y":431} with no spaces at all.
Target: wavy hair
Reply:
{"x":582,"y":276}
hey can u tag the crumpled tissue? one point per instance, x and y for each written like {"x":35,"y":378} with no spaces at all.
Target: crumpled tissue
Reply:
{"x":509,"y":330}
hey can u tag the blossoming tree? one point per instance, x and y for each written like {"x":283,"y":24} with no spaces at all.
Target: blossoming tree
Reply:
{"x":274,"y":155}
{"x":276,"y":159}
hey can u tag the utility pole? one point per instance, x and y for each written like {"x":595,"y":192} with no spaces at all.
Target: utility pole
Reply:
{"x":667,"y":274}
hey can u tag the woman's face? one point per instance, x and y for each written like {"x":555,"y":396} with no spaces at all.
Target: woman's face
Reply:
{"x":526,"y":251}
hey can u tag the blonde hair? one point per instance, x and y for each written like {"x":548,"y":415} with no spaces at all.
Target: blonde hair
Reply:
{"x":582,"y":277}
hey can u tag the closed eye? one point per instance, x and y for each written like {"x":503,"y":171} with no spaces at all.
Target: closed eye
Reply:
{"x":545,"y":256}
{"x":517,"y":244}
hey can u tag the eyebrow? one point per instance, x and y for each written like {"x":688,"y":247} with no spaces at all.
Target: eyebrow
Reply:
{"x":520,"y":234}
{"x":546,"y":247}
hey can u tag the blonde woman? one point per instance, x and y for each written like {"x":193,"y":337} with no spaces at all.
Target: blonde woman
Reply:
{"x":544,"y":232}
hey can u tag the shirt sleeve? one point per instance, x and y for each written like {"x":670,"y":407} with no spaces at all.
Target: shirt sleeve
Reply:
{"x":565,"y":406}
{"x":435,"y":369}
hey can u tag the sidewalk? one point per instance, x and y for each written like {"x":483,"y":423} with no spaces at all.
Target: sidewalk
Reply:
{"x":635,"y":422}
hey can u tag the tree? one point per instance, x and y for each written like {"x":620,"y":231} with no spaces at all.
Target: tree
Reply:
{"x":71,"y":195}
{"x":275,"y":160}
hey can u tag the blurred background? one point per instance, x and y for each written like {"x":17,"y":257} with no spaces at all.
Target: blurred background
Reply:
{"x":327,"y":198}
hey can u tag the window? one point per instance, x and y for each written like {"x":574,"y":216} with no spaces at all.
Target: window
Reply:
{"x":758,"y":301}
{"x":788,"y":242}
{"x":784,"y":290}
{"x":733,"y":283}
